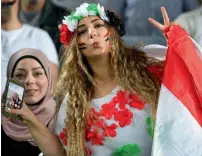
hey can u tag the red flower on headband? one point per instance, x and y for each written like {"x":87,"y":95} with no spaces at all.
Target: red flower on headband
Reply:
{"x":65,"y":34}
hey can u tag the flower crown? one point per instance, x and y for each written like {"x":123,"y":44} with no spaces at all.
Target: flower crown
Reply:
{"x":70,"y":23}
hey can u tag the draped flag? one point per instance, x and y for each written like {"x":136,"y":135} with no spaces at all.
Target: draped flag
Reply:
{"x":178,"y":127}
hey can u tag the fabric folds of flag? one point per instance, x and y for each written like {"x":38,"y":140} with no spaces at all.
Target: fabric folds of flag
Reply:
{"x":178,"y":127}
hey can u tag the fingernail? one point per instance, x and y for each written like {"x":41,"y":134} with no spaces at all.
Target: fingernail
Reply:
{"x":9,"y":110}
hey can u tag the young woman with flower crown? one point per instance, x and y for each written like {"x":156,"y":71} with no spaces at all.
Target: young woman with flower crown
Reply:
{"x":106,"y":90}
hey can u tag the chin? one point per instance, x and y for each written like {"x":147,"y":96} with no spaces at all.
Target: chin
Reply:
{"x":96,"y":54}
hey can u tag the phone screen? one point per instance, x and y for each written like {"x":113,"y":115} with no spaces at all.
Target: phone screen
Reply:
{"x":14,"y":97}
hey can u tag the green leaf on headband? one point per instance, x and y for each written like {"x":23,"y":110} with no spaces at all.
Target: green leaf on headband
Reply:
{"x":92,"y":7}
{"x":73,"y":17}
{"x":72,"y":14}
{"x":128,"y":150}
{"x":77,"y":18}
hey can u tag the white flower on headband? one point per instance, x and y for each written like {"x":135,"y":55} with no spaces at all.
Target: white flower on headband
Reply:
{"x":102,"y":13}
{"x":71,"y":23}
{"x":84,"y":10}
{"x":91,"y":13}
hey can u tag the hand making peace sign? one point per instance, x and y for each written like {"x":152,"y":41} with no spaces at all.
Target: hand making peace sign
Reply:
{"x":166,"y":20}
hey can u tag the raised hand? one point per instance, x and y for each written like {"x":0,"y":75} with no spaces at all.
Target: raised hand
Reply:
{"x":166,"y":20}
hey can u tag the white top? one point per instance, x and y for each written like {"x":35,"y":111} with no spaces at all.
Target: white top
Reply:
{"x":25,"y":37}
{"x":135,"y":132}
{"x":191,"y":22}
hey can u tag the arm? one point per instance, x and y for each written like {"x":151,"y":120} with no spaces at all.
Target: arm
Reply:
{"x":45,"y":139}
{"x":47,"y":142}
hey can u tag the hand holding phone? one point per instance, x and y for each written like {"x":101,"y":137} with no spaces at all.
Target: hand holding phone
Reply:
{"x":26,"y":115}
{"x":13,"y":97}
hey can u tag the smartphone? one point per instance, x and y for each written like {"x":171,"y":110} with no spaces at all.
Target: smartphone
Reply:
{"x":13,"y":97}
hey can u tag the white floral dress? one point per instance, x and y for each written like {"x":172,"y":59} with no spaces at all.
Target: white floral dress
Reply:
{"x":124,"y":127}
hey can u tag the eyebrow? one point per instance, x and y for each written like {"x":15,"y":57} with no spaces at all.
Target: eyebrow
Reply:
{"x":91,"y":22}
{"x":32,"y":68}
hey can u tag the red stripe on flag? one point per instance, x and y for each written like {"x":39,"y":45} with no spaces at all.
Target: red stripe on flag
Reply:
{"x":183,"y":71}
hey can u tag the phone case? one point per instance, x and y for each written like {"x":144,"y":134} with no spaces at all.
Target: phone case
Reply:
{"x":13,"y":97}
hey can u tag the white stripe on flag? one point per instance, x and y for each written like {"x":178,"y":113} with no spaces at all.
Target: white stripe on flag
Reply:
{"x":177,"y":133}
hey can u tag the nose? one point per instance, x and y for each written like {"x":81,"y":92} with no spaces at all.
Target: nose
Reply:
{"x":30,"y":79}
{"x":92,"y":32}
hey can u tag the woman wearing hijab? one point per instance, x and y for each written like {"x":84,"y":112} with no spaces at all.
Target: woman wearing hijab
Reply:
{"x":31,"y":67}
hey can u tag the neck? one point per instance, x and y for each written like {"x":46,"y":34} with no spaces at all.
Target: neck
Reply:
{"x":13,"y":24}
{"x":30,"y":7}
{"x":101,"y":69}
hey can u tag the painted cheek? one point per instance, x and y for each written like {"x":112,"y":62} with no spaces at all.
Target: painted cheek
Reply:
{"x":106,"y":36}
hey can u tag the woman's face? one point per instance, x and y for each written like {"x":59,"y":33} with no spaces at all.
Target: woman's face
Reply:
{"x":31,"y":73}
{"x":15,"y":95}
{"x":93,"y":36}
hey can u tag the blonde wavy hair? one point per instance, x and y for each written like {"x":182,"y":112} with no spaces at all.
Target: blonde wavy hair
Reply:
{"x":129,"y":69}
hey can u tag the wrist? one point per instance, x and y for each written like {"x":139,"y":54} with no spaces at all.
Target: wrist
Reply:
{"x":33,"y":123}
{"x":167,"y":31}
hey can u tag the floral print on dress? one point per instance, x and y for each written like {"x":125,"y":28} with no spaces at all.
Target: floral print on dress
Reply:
{"x":128,"y":150}
{"x":118,"y":109}
{"x":150,"y":128}
{"x":63,"y":136}
{"x":123,"y":117}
